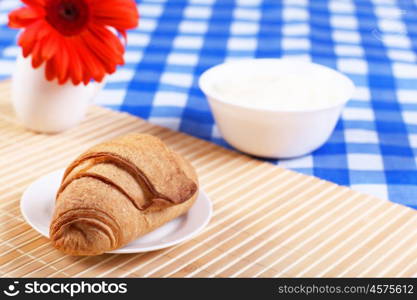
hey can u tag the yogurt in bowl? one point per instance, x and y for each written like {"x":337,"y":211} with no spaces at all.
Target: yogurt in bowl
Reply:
{"x":275,"y":108}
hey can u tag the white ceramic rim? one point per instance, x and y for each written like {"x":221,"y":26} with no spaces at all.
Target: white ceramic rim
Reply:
{"x":208,"y":77}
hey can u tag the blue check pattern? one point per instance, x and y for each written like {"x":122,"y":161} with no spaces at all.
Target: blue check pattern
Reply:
{"x":373,"y":148}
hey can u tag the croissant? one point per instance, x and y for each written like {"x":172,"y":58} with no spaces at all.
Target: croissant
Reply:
{"x":120,"y":190}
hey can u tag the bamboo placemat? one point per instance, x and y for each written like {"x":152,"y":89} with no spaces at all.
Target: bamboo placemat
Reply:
{"x":267,"y":221}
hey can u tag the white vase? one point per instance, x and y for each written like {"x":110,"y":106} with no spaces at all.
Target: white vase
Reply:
{"x":46,"y":106}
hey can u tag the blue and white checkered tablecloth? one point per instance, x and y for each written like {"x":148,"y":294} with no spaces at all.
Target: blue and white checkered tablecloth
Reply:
{"x":374,"y":146}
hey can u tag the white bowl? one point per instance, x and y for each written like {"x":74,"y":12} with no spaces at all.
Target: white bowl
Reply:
{"x":272,"y":132}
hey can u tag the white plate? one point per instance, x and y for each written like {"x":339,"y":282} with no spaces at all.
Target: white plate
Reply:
{"x":37,"y":206}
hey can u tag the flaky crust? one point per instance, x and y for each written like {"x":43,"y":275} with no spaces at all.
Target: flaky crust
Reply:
{"x":119,"y":190}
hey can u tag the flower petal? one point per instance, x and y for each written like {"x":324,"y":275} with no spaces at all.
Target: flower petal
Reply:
{"x":90,"y":53}
{"x":120,"y":14}
{"x":36,"y":56}
{"x":34,"y":2}
{"x":27,"y":38}
{"x":109,"y":52}
{"x":62,"y":62}
{"x":50,"y":69}
{"x":94,"y":67}
{"x":75,"y":67}
{"x":50,"y":45}
{"x":33,"y":34}
{"x":24,"y":16}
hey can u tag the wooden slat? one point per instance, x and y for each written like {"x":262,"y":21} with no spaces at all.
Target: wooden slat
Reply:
{"x":267,"y":221}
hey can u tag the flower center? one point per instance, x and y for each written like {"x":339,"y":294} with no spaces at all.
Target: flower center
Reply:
{"x":68,"y":11}
{"x":69,"y":17}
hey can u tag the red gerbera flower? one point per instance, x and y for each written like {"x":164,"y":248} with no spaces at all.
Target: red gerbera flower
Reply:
{"x":74,"y":38}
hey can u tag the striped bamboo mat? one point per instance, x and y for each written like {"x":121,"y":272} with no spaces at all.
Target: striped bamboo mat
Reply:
{"x":267,"y":221}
